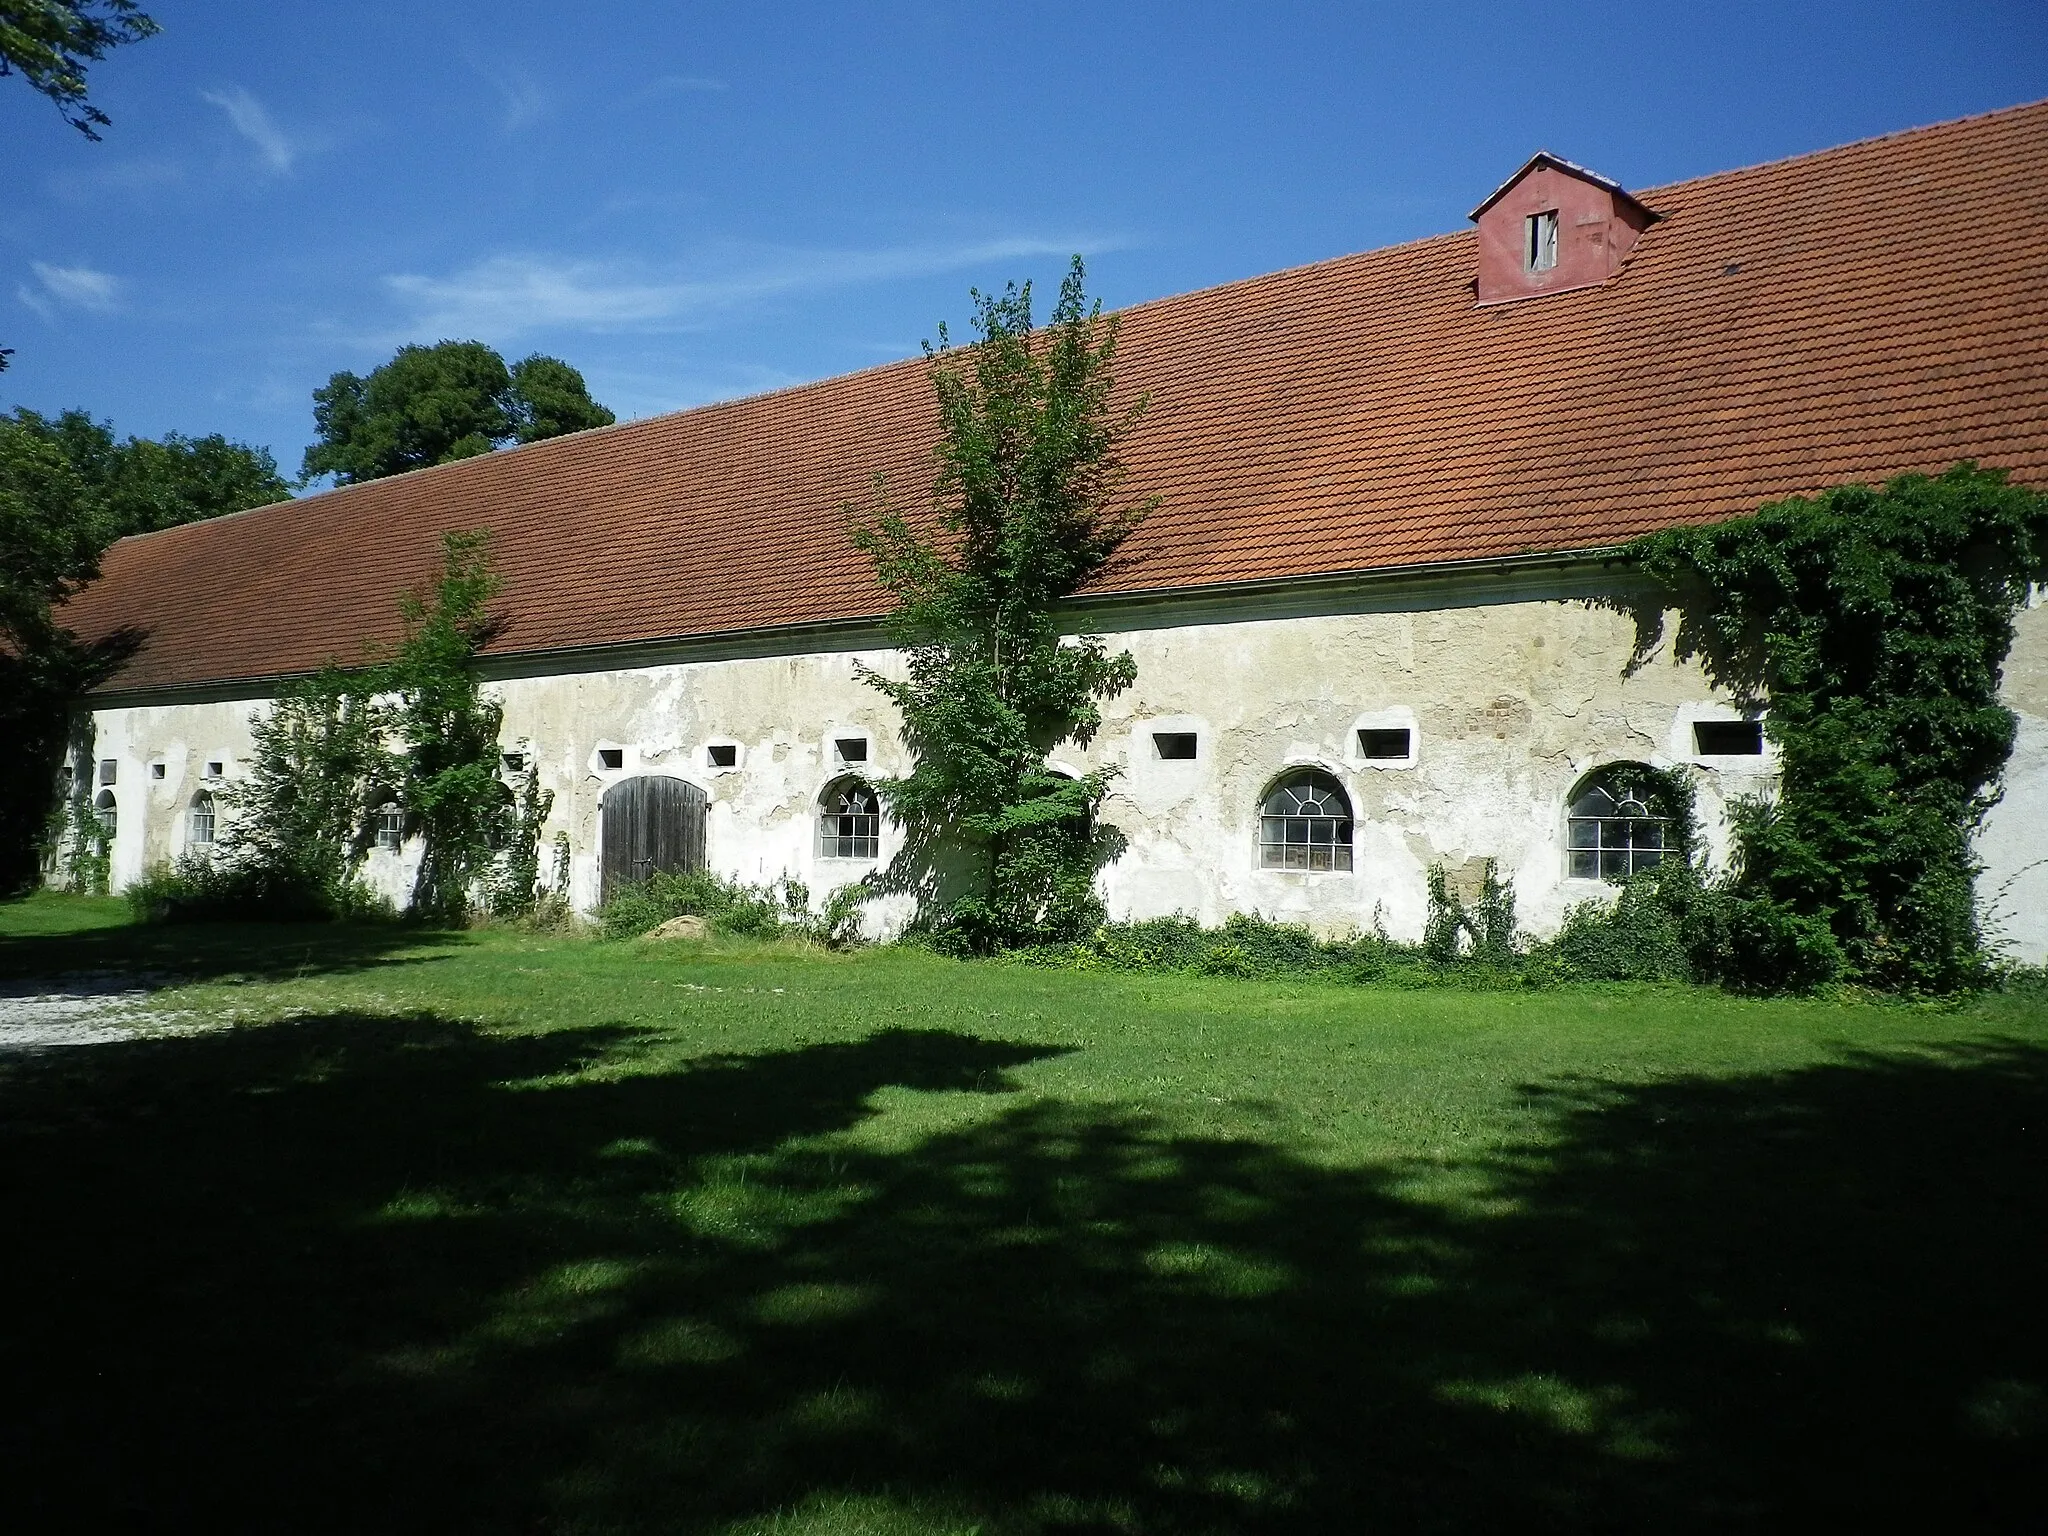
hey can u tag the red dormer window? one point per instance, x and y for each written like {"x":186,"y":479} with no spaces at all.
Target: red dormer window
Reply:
{"x":1554,"y":226}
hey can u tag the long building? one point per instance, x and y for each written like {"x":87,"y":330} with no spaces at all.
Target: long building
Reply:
{"x":1376,"y":617}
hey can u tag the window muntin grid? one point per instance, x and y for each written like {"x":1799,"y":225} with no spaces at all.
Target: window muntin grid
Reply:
{"x":108,"y":814}
{"x":850,"y":824}
{"x":1305,"y":823}
{"x":1612,"y":830}
{"x":202,"y":821}
{"x":390,"y":827}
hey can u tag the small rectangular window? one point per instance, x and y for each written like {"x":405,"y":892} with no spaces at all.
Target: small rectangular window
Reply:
{"x":1174,"y":746}
{"x":852,"y":749}
{"x":1728,"y":738}
{"x":1392,"y":742}
{"x":1541,"y":254}
{"x":216,"y":770}
{"x":723,"y":756}
{"x":611,"y":757}
{"x":108,"y":768}
{"x":390,"y":827}
{"x":156,"y":770}
{"x":515,"y":762}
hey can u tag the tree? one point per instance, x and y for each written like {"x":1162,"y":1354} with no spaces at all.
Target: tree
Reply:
{"x":144,"y":484}
{"x":1002,"y":850}
{"x":450,"y":789}
{"x":52,"y":532}
{"x":549,"y":399}
{"x":433,"y":405}
{"x":49,"y":43}
{"x":69,"y":488}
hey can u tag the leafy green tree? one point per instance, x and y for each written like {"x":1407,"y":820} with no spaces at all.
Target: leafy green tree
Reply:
{"x":433,"y":405}
{"x":50,"y":43}
{"x":299,"y":823}
{"x":450,"y":789}
{"x":1002,"y":850}
{"x":52,"y":532}
{"x":549,"y":399}
{"x":143,"y":484}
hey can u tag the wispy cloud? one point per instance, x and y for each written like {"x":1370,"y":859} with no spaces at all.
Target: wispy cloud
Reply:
{"x":505,"y":296}
{"x":254,"y":123}
{"x":69,"y":288}
{"x":524,"y":99}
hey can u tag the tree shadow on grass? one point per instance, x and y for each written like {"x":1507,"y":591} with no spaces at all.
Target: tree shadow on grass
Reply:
{"x":351,"y":1274}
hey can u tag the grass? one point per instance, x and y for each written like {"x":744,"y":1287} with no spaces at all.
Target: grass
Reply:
{"x":503,"y":1232}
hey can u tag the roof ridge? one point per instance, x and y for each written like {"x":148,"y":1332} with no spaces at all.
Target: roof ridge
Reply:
{"x":2039,"y":104}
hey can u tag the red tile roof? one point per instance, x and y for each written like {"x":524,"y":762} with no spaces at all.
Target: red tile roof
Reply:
{"x":1841,"y":316}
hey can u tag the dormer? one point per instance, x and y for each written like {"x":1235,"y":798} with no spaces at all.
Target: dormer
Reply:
{"x":1554,"y":226}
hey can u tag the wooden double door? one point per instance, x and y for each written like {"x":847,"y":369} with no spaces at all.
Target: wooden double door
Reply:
{"x":649,"y":825}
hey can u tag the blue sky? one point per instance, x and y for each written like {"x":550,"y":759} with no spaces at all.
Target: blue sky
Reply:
{"x":692,"y":201}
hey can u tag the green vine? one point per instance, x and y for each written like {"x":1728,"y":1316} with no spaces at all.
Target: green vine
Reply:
{"x":1875,"y":623}
{"x":515,"y":880}
{"x":1000,"y":849}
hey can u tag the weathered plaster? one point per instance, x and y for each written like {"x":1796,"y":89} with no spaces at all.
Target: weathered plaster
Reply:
{"x":1515,"y":687}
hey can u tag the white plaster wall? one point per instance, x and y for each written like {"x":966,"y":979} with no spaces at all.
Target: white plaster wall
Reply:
{"x":1512,"y":699}
{"x":1512,"y":703}
{"x":2012,"y":891}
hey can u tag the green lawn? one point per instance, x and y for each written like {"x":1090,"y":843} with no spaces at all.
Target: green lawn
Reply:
{"x":501,"y":1233}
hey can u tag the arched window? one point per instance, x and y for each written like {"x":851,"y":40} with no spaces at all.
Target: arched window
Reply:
{"x":1305,"y":823}
{"x":850,"y":822}
{"x":109,"y":815}
{"x":390,"y":826}
{"x":202,"y":820}
{"x":1616,"y":824}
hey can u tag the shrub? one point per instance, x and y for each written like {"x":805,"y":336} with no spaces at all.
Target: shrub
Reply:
{"x":1636,"y":938}
{"x":199,"y":889}
{"x":781,"y":910}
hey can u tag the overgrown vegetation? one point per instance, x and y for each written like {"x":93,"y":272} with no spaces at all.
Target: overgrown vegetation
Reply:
{"x":1875,"y":623}
{"x":734,"y":908}
{"x":1001,"y":850}
{"x":447,"y":727}
{"x":417,"y":730}
{"x":53,"y":529}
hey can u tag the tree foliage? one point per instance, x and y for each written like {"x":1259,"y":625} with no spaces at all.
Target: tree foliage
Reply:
{"x":141,"y":484}
{"x":1002,"y":850}
{"x":53,"y":530}
{"x":1876,"y":623}
{"x":297,"y":826}
{"x":450,"y":789}
{"x":433,"y":405}
{"x":51,"y":43}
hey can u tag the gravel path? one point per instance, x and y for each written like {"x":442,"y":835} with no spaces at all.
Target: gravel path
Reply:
{"x":76,"y":1010}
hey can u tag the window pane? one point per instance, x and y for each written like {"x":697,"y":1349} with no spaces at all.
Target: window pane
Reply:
{"x":1585,"y":866}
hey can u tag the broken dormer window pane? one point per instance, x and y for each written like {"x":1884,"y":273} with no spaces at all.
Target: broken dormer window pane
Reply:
{"x":1541,"y":252}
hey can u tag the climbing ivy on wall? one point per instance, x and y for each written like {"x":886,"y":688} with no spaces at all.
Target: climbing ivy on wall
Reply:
{"x":1875,"y":624}
{"x":1000,"y":850}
